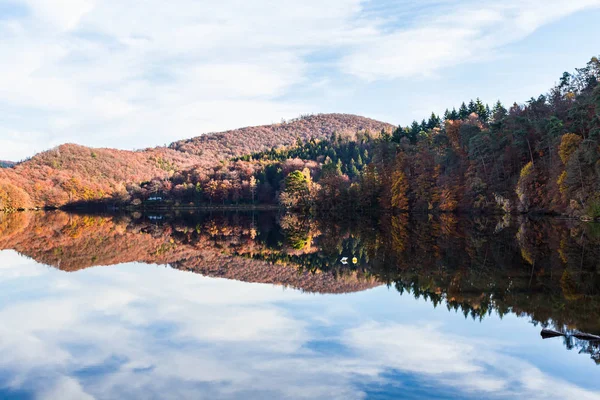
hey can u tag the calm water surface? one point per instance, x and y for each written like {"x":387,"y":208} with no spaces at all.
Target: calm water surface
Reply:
{"x":262,"y":306}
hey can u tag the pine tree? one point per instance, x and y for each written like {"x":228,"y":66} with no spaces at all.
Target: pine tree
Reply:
{"x":498,"y":112}
{"x":434,"y":121}
{"x":370,"y":186}
{"x":480,"y":110}
{"x":454,"y":115}
{"x":472,"y":108}
{"x":463,"y":112}
{"x":296,"y":193}
{"x":385,"y":136}
{"x":398,"y":134}
{"x":415,"y":128}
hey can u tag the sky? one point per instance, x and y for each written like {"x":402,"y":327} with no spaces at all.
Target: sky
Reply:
{"x":135,"y":74}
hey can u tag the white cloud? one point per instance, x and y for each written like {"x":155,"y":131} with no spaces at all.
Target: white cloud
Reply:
{"x":66,"y":389}
{"x":17,"y":266}
{"x":150,"y":72}
{"x":469,"y":365}
{"x":470,"y":31}
{"x":61,"y":14}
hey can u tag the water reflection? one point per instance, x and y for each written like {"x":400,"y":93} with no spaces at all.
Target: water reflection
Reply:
{"x":134,"y":329}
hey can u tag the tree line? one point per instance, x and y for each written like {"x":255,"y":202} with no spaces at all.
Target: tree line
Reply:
{"x":542,"y":156}
{"x":539,"y":157}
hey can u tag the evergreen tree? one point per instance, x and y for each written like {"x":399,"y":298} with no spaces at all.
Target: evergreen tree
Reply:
{"x":415,"y":128}
{"x":434,"y":121}
{"x":498,"y":112}
{"x":398,"y":134}
{"x":480,"y":110}
{"x":385,"y":136}
{"x":454,"y":114}
{"x":472,"y":107}
{"x":296,"y":193}
{"x":331,"y":169}
{"x":463,"y":111}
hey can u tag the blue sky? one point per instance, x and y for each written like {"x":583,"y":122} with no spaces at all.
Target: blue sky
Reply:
{"x":136,"y":74}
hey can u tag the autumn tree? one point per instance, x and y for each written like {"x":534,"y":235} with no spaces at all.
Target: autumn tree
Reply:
{"x":13,"y":198}
{"x":296,"y":191}
{"x":399,"y":190}
{"x":252,"y":185}
{"x":569,"y":143}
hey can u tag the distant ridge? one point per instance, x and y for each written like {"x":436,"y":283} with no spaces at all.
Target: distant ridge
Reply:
{"x":7,"y":164}
{"x":254,"y":139}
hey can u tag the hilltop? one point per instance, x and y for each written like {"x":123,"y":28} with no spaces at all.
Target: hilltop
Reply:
{"x":71,"y":173}
{"x":254,"y":139}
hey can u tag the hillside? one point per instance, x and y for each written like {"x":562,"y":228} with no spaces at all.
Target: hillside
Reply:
{"x":254,"y":139}
{"x":71,"y":173}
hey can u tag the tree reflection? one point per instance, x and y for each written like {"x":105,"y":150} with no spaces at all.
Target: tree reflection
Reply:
{"x":543,"y":269}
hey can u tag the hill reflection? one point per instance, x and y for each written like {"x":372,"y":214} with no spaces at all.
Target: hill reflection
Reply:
{"x":218,"y":246}
{"x":545,"y":270}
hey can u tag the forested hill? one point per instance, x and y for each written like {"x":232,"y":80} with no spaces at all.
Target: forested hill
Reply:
{"x":254,"y":139}
{"x":541,"y":156}
{"x":73,"y":173}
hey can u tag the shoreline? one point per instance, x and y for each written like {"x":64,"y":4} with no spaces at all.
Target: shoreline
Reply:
{"x":269,"y":207}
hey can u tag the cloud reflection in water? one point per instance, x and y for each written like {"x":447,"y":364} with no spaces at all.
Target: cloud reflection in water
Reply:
{"x":137,"y":331}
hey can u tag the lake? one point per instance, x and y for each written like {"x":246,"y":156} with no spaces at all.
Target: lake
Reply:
{"x":261,"y":306}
